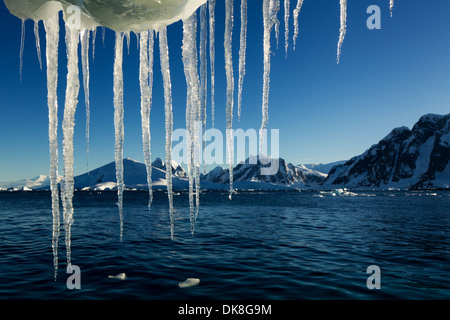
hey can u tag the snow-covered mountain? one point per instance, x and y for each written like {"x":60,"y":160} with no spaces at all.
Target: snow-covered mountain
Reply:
{"x":26,"y":184}
{"x":248,"y":175}
{"x":135,"y":176}
{"x":416,"y":158}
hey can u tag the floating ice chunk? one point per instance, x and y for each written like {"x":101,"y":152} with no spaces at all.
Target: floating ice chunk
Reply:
{"x":120,"y":276}
{"x":190,"y":282}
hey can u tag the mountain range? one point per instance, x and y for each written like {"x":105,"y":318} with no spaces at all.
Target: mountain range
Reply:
{"x":416,"y":158}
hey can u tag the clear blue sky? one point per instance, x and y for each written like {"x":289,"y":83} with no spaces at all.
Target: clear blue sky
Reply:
{"x":325,"y":112}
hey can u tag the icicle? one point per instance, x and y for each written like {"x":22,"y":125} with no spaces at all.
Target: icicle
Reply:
{"x":84,"y":34}
{"x":94,"y":36}
{"x":230,"y":86}
{"x":165,"y":70}
{"x":203,"y":72}
{"x":275,"y":8}
{"x":193,"y":111}
{"x":146,"y":84}
{"x":343,"y":28}
{"x":296,"y":14}
{"x":38,"y":42}
{"x":22,"y":46}
{"x":72,"y":90}
{"x":212,"y":52}
{"x":128,"y":37}
{"x":270,"y":8}
{"x":391,"y":6}
{"x":52,"y":41}
{"x":286,"y":24}
{"x":118,"y":123}
{"x":103,"y":35}
{"x":242,"y":53}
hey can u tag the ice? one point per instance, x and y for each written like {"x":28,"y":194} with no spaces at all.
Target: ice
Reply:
{"x":203,"y":71}
{"x":165,"y":69}
{"x":296,"y":23}
{"x":51,"y":26}
{"x":84,"y":38}
{"x":118,"y":123}
{"x":269,"y":18}
{"x":193,"y":112}
{"x":230,"y":85}
{"x":212,"y":52}
{"x":242,"y":53}
{"x":274,"y":9}
{"x":190,"y":282}
{"x":343,"y":28}
{"x":286,"y":24}
{"x":38,"y":42}
{"x":94,"y":36}
{"x":146,"y":44}
{"x":391,"y":6}
{"x":72,"y":90}
{"x":22,"y":46}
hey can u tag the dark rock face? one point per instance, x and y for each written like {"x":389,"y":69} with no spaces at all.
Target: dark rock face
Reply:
{"x":416,"y":158}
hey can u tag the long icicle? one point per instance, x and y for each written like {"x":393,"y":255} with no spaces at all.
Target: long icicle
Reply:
{"x":269,"y":11}
{"x":343,"y":29}
{"x":391,"y":6}
{"x":145,"y":70}
{"x":203,"y":72}
{"x":296,"y":23}
{"x":38,"y":42}
{"x":193,"y":110}
{"x":22,"y":46}
{"x":94,"y":37}
{"x":84,"y":34}
{"x":242,"y":54}
{"x":165,"y":70}
{"x":230,"y":87}
{"x":72,"y":90}
{"x":51,"y":26}
{"x":212,"y":52}
{"x":286,"y":24}
{"x":118,"y":123}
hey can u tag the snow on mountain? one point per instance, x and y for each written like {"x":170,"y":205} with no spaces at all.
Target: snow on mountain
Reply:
{"x":323,"y":168}
{"x":416,"y":158}
{"x":248,"y":175}
{"x":26,"y":184}
{"x":135,"y":176}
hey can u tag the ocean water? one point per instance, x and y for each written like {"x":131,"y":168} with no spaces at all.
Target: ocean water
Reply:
{"x":261,"y":245}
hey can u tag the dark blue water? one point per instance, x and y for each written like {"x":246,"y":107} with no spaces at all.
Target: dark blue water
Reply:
{"x":273,"y":245}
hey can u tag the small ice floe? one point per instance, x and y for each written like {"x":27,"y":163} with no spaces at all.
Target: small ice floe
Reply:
{"x":190,"y":282}
{"x":120,"y":276}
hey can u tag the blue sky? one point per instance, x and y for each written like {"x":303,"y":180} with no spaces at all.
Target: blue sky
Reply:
{"x":325,"y":112}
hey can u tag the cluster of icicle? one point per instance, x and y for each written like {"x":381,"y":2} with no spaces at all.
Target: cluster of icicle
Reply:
{"x":196,"y":69}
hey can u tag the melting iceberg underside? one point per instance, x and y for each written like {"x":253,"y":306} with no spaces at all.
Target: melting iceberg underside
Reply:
{"x":146,"y":17}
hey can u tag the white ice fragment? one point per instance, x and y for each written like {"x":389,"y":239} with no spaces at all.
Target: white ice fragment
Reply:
{"x":391,"y":6}
{"x":242,"y":53}
{"x":343,"y":28}
{"x":120,"y":276}
{"x":190,"y":282}
{"x":51,"y":26}
{"x":165,"y":70}
{"x":118,"y":123}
